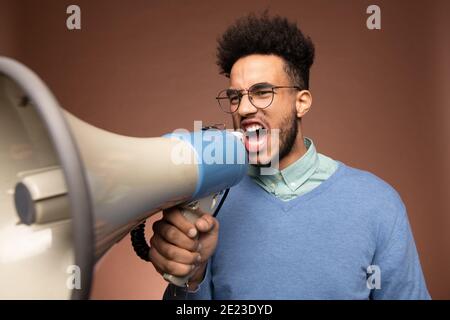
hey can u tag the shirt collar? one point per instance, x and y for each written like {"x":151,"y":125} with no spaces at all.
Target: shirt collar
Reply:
{"x":296,"y":174}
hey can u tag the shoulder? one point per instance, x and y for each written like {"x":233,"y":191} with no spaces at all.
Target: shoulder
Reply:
{"x":365,"y":183}
{"x":378,"y":198}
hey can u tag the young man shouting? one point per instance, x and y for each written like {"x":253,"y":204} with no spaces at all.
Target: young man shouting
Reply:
{"x":314,"y":229}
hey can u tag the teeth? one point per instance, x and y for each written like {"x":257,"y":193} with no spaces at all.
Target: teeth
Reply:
{"x":253,"y":128}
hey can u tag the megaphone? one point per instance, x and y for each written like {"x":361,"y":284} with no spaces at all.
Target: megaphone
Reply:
{"x":69,"y":191}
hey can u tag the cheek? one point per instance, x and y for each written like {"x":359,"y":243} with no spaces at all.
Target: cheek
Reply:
{"x":276,"y":116}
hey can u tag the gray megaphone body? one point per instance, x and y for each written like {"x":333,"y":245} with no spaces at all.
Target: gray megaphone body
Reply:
{"x":69,"y":190}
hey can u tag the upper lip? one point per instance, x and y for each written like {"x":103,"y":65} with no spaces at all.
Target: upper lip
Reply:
{"x":247,"y":122}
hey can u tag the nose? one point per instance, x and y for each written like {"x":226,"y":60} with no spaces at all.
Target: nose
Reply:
{"x":246,"y":107}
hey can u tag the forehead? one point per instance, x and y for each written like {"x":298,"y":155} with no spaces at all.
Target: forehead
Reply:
{"x":257,"y":68}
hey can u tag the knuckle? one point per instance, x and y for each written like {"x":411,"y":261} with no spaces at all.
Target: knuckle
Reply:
{"x":170,"y":233}
{"x":171,"y":253}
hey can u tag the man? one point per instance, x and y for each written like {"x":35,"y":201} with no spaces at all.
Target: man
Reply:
{"x":316,"y":228}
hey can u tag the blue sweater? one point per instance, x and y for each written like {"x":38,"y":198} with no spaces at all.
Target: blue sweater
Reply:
{"x":349,"y":238}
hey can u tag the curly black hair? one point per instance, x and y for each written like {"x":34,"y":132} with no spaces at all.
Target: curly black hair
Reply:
{"x":267,"y":35}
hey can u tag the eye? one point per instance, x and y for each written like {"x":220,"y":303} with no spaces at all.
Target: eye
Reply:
{"x":262,"y":93}
{"x":233,"y":96}
{"x":234,"y":99}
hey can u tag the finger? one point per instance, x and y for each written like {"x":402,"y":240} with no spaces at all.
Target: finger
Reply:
{"x":155,"y":266}
{"x":174,"y":235}
{"x":177,"y":218}
{"x":171,"y":252}
{"x":206,"y":223}
{"x":168,"y":266}
{"x":156,"y":260}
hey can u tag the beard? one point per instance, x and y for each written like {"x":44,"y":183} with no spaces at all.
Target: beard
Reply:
{"x":286,"y":139}
{"x":288,"y":136}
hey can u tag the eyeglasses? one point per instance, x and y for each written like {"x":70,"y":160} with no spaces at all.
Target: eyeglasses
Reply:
{"x":260,"y":96}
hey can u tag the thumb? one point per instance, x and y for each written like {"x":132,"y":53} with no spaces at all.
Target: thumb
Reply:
{"x":206,"y":223}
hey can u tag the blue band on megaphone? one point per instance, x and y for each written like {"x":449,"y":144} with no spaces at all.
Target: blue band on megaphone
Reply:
{"x":221,"y":159}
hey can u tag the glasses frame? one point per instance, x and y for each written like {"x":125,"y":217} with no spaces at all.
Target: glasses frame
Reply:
{"x":242,"y":93}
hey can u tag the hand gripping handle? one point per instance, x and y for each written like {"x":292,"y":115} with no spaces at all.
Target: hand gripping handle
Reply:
{"x":193,"y":211}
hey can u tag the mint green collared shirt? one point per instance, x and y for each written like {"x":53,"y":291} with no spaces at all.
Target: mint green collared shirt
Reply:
{"x":300,"y":177}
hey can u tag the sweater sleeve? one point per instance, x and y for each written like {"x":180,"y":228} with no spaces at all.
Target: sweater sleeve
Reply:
{"x":398,"y":261}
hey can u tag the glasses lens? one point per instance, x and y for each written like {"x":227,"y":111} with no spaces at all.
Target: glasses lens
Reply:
{"x":228,"y":100}
{"x":261,"y":98}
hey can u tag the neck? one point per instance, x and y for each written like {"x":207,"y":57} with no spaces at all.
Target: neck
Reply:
{"x":297,"y":151}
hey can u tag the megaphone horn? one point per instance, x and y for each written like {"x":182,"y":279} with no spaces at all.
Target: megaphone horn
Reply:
{"x":69,"y":190}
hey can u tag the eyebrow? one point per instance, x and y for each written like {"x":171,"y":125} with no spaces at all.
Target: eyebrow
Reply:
{"x":259,"y":85}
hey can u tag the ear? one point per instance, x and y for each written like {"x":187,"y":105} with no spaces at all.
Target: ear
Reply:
{"x":303,"y":102}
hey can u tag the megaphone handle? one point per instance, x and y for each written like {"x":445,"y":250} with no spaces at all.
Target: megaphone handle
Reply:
{"x":192,"y":214}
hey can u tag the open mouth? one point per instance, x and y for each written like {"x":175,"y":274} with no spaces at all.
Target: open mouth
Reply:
{"x":256,"y":135}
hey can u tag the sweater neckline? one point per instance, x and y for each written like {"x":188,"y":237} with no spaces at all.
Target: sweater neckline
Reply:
{"x":304,"y":198}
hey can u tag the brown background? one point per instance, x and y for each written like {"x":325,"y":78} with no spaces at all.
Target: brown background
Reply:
{"x":144,"y":68}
